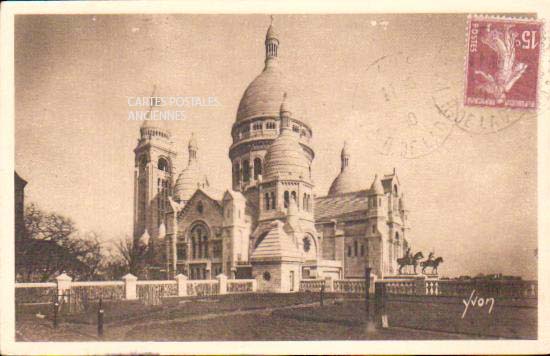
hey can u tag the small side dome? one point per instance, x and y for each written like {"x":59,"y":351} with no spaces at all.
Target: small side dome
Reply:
{"x":192,"y":177}
{"x":346,"y":182}
{"x":285,"y":158}
{"x":189,"y":180}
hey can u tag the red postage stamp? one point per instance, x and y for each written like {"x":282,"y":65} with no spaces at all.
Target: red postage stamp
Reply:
{"x":503,"y":62}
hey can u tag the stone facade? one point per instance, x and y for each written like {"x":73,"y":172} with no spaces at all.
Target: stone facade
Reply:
{"x":269,"y":226}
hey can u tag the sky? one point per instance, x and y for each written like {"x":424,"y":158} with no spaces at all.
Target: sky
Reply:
{"x":358,"y":78}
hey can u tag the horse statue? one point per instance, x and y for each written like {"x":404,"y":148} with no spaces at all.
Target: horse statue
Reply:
{"x":431,"y":263}
{"x":409,"y":260}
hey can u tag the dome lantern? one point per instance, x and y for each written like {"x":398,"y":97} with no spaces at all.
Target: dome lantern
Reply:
{"x":344,"y":157}
{"x":271,"y":45}
{"x":192,"y":147}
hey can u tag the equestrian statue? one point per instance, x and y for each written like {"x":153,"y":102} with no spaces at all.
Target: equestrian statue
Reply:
{"x":431,"y":262}
{"x":409,"y":260}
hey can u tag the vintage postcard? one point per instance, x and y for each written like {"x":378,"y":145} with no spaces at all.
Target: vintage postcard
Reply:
{"x":291,"y":179}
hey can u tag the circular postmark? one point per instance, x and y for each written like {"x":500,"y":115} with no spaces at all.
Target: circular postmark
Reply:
{"x":481,"y":120}
{"x":500,"y":77}
{"x":391,"y":100}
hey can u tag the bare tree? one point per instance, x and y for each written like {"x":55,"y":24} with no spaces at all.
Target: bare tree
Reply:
{"x":132,"y":255}
{"x":53,"y":245}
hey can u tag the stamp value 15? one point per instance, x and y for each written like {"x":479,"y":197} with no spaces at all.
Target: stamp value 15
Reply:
{"x":503,"y":62}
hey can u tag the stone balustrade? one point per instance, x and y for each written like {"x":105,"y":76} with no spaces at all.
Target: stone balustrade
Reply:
{"x":311,"y":285}
{"x":461,"y":288}
{"x":350,"y":286}
{"x":130,"y":288}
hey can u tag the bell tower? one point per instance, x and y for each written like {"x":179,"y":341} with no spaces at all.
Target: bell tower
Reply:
{"x":153,"y":177}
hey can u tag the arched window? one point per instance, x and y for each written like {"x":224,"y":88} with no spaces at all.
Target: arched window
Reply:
{"x":257,"y":167}
{"x":237,"y":173}
{"x":304,"y":203}
{"x":199,"y":241}
{"x":163,"y":164}
{"x":257,"y":126}
{"x":266,"y":198}
{"x":270,"y":125}
{"x":246,"y":171}
{"x":349,"y":251}
{"x":294,"y":197}
{"x":273,"y":201}
{"x":395,"y":190}
{"x":181,"y":250}
{"x":287,"y":199}
{"x":373,"y":228}
{"x":355,"y":248}
{"x":205,"y":246}
{"x":362,"y":250}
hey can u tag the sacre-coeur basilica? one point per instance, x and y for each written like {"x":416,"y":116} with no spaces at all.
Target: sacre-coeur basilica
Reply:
{"x":269,"y":225}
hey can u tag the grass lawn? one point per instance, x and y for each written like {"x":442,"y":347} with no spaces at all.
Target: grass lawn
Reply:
{"x":243,"y":317}
{"x":123,"y":312}
{"x":175,"y":308}
{"x":332,"y":322}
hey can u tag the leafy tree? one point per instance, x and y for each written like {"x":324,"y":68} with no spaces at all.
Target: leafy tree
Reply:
{"x":53,"y":245}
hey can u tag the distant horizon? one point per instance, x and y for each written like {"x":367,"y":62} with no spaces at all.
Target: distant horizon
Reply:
{"x":472,"y":198}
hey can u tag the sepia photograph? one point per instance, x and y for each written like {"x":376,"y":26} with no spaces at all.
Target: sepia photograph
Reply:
{"x":283,"y":177}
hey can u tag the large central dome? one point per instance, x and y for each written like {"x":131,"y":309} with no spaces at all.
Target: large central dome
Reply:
{"x":263,"y":95}
{"x":258,"y":123}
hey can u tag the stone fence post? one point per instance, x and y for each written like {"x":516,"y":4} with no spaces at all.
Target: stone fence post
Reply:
{"x":130,"y":282}
{"x":181,"y":279}
{"x":420,"y":285}
{"x":373,"y":279}
{"x":63,"y":286}
{"x":222,"y":281}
